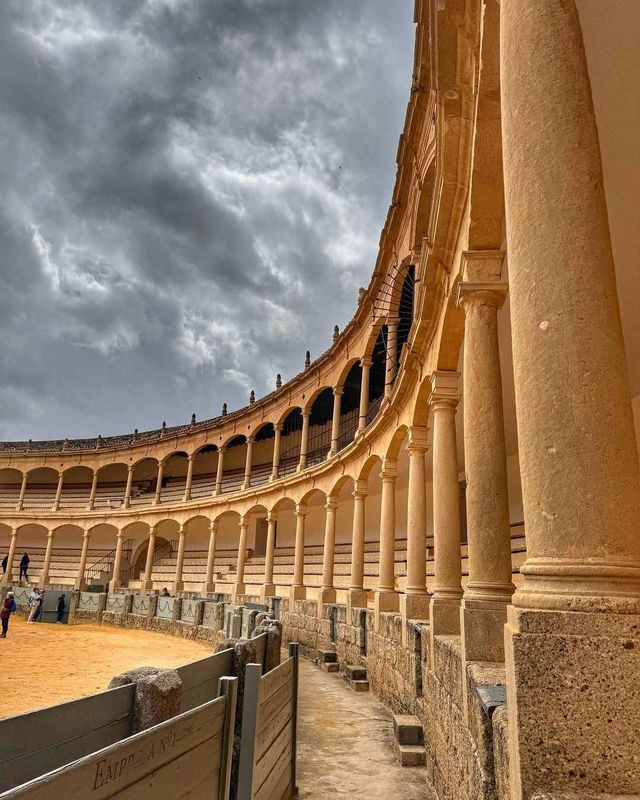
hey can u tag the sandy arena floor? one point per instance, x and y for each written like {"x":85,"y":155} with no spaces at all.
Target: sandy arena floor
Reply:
{"x":44,"y":664}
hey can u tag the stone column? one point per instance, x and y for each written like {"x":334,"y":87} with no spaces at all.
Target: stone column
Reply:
{"x":239,"y":586}
{"x":187,"y":486}
{"x":298,"y":592}
{"x":80,"y":582}
{"x":386,"y":597}
{"x":335,"y":422}
{"x":44,"y":577}
{"x":357,"y":596}
{"x":220,"y":472}
{"x":178,"y":583}
{"x":392,"y":354}
{"x":92,"y":493}
{"x":275,"y":469}
{"x":365,"y":363}
{"x":268,"y":587}
{"x":247,"y":467}
{"x":127,"y":491}
{"x":147,"y":584}
{"x":572,"y":638}
{"x":447,"y":588}
{"x":158,"y":498}
{"x":327,"y":592}
{"x":8,"y":576}
{"x":489,"y":589}
{"x":23,"y":490}
{"x":304,"y":442}
{"x":209,"y":586}
{"x":56,"y":502}
{"x":114,"y":583}
{"x":414,"y":602}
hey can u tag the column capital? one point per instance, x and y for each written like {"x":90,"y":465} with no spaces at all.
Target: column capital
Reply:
{"x":418,"y":441}
{"x":444,"y":389}
{"x":213,"y":524}
{"x":130,"y":467}
{"x":86,"y":534}
{"x":366,"y":361}
{"x":331,"y":504}
{"x":360,"y":489}
{"x":14,"y":532}
{"x":250,"y":438}
{"x":182,"y":529}
{"x":278,"y":427}
{"x":389,"y":470}
{"x":338,"y":391}
{"x":301,"y":510}
{"x":391,"y":321}
{"x":119,"y":533}
{"x":244,"y":522}
{"x":306,"y":413}
{"x":50,"y":534}
{"x":272,"y":516}
{"x":480,"y":266}
{"x":222,"y":448}
{"x":487,"y":293}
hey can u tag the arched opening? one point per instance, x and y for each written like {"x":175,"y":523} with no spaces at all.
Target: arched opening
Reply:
{"x":65,"y":554}
{"x":227,"y":538}
{"x":42,"y":484}
{"x":350,"y":406}
{"x":76,"y":487}
{"x":291,"y":442}
{"x":101,"y":557}
{"x":343,"y":494}
{"x":205,"y":467}
{"x":377,"y":375}
{"x":174,"y":477}
{"x":144,"y":479}
{"x":234,"y":464}
{"x":285,"y":511}
{"x":320,"y":421}
{"x":262,"y":454}
{"x":111,"y":486}
{"x":406,"y":308}
{"x":10,"y":485}
{"x":32,"y":541}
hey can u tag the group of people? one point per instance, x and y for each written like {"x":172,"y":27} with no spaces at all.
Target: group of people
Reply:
{"x":35,"y":600}
{"x":24,"y":566}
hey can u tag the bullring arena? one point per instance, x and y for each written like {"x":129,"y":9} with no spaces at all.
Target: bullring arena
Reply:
{"x":442,"y":510}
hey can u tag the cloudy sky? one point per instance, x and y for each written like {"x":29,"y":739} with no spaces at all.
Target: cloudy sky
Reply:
{"x":192,"y":193}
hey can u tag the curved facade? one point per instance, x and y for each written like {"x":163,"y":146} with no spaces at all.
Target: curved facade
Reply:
{"x":470,"y":433}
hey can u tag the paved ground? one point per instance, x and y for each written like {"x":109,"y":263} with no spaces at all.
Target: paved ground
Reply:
{"x":44,"y":664}
{"x":345,"y":745}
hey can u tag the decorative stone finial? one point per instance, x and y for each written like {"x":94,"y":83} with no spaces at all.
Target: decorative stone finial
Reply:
{"x":135,"y":433}
{"x":29,"y":444}
{"x":307,"y":360}
{"x":193,"y":420}
{"x":65,"y":444}
{"x":99,"y":442}
{"x":336,"y":333}
{"x":278,"y":381}
{"x":362,"y":293}
{"x":252,"y":398}
{"x":163,"y":428}
{"x":224,"y":410}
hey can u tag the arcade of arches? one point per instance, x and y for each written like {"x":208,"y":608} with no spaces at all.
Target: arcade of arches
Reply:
{"x":450,"y":495}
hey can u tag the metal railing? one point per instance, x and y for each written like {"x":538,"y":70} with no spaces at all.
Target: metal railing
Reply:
{"x":165,"y":550}
{"x":105,"y":563}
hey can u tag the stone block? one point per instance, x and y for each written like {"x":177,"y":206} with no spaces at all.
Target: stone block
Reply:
{"x":355,"y":672}
{"x":327,"y":656}
{"x":411,"y":755}
{"x":158,"y":695}
{"x":408,"y":729}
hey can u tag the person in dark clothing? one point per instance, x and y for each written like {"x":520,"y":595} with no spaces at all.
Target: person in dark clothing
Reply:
{"x":24,"y":566}
{"x":4,"y":564}
{"x":61,"y":609}
{"x":8,"y":607}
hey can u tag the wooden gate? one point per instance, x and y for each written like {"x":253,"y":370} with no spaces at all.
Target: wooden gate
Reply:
{"x":267,"y":768}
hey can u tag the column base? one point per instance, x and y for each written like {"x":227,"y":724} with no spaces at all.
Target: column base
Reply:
{"x":572,"y":678}
{"x":325,"y":596}
{"x":414,"y":606}
{"x":80,"y":585}
{"x":114,"y":585}
{"x":177,"y":586}
{"x":268,"y":590}
{"x":146,"y":587}
{"x":384,"y":602}
{"x":357,"y":598}
{"x":44,"y":580}
{"x":208,"y":588}
{"x":444,"y":615}
{"x":7,"y":579}
{"x":238,"y":588}
{"x":482,"y":629}
{"x":297,"y":593}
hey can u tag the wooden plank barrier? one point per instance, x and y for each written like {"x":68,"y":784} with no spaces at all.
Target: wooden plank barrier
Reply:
{"x":188,"y":756}
{"x":200,"y":678}
{"x":43,"y":740}
{"x":267,"y":769}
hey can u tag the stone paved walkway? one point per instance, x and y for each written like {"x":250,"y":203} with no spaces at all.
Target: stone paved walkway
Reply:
{"x":345,"y":744}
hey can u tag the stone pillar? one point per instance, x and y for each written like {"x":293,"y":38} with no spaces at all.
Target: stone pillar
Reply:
{"x":357,"y":596}
{"x":178,"y":583}
{"x":386,"y":597}
{"x":268,"y":587}
{"x":247,"y":467}
{"x":44,"y":577}
{"x":220,"y":472}
{"x":572,"y":638}
{"x":489,"y":589}
{"x":92,"y":493}
{"x":239,"y":586}
{"x":335,"y":422}
{"x":447,"y":589}
{"x":114,"y":583}
{"x":147,"y":583}
{"x":187,"y":486}
{"x":23,"y":490}
{"x":304,"y":442}
{"x":56,"y":502}
{"x":298,"y":592}
{"x":158,"y":498}
{"x":392,"y":354}
{"x":80,"y":582}
{"x":8,"y":576}
{"x":127,"y":491}
{"x":414,"y":602}
{"x":275,"y":469}
{"x":209,"y":586}
{"x":327,"y":592}
{"x":365,"y":363}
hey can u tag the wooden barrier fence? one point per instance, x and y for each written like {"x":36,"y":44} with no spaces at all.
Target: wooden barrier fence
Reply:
{"x":188,"y":756}
{"x":269,"y":731}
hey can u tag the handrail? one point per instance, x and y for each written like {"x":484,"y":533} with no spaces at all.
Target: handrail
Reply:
{"x":165,"y":550}
{"x":104,"y":564}
{"x":372,"y":413}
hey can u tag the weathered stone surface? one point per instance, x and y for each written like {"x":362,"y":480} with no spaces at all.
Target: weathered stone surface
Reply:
{"x":407,"y":729}
{"x":158,"y":695}
{"x":273,"y":629}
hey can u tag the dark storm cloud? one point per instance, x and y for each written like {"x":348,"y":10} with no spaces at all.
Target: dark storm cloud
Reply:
{"x":193,"y":192}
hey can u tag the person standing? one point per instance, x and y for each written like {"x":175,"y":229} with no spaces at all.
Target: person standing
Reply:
{"x":61,"y":609}
{"x":34,"y":600}
{"x":24,"y":566}
{"x":8,"y":607}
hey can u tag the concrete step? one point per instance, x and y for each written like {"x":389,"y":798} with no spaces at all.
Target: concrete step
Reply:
{"x":411,"y":755}
{"x":355,"y":672}
{"x":407,"y":729}
{"x":357,"y":686}
{"x":327,"y":656}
